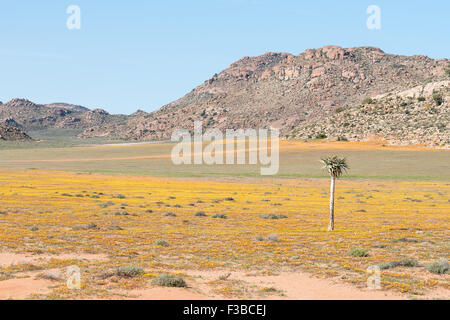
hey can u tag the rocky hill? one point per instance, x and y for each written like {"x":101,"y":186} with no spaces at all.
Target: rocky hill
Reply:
{"x":316,"y":94}
{"x":420,"y":115}
{"x":31,"y":116}
{"x":10,"y":132}
{"x":289,"y":92}
{"x":67,"y":106}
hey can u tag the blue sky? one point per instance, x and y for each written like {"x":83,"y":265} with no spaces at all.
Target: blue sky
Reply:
{"x":144,"y":54}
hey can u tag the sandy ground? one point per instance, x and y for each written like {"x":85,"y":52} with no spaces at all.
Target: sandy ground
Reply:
{"x":293,"y":286}
{"x":8,"y":258}
{"x":202,"y":285}
{"x":19,"y":289}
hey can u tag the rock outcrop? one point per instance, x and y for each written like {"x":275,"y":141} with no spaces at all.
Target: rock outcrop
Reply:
{"x":12,"y":133}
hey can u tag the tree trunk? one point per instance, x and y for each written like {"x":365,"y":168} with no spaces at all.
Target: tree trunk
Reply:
{"x":331,"y":224}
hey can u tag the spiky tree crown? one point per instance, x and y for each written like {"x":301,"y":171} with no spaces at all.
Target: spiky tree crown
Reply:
{"x":335,"y":166}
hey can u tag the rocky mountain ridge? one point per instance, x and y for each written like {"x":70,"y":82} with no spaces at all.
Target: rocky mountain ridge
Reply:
{"x":298,"y":94}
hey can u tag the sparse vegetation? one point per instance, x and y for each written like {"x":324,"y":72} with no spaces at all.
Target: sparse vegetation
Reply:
{"x":162,"y":243}
{"x":219,"y":216}
{"x":85,"y":226}
{"x":439,"y":267}
{"x":273,"y":237}
{"x":169,"y":214}
{"x":389,"y":228}
{"x":402,"y":263}
{"x":273,"y":216}
{"x":358,"y":253}
{"x":437,"y":97}
{"x":130,"y":271}
{"x":167,"y":280}
{"x":367,"y":100}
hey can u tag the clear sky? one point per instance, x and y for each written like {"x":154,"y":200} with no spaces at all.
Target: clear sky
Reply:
{"x":144,"y":54}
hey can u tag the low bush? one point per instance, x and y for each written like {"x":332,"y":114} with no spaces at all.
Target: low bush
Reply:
{"x":129,"y":271}
{"x":402,"y":263}
{"x":161,"y":243}
{"x":439,"y":267}
{"x":167,"y":280}
{"x":273,"y":216}
{"x":169,"y":214}
{"x":367,"y":101}
{"x":220,"y":216}
{"x":358,"y":253}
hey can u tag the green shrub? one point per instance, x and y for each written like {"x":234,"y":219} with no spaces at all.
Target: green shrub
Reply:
{"x":342,"y":138}
{"x":121,"y":213}
{"x":220,"y":216}
{"x":358,"y":253}
{"x":421,"y":99}
{"x":200,"y":214}
{"x":167,"y":280}
{"x":403,"y":263}
{"x":129,"y":271}
{"x":367,"y":101}
{"x":321,"y":136}
{"x":410,"y":240}
{"x":273,"y":216}
{"x":162,"y":243}
{"x":439,"y":267}
{"x":169,"y":214}
{"x":437,"y":97}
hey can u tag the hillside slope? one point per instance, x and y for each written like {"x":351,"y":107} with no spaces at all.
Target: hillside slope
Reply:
{"x":283,"y":91}
{"x":420,"y":115}
{"x":32,"y":116}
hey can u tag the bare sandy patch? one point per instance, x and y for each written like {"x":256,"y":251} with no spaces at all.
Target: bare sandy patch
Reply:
{"x":163,"y":293}
{"x":11,"y":258}
{"x":20,"y":289}
{"x":302,"y":286}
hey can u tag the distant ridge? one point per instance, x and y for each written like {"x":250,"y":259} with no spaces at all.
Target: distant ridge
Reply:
{"x":320,"y":93}
{"x":297,"y":94}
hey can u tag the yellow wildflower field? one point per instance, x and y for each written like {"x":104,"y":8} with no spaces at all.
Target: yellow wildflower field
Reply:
{"x":265,"y":225}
